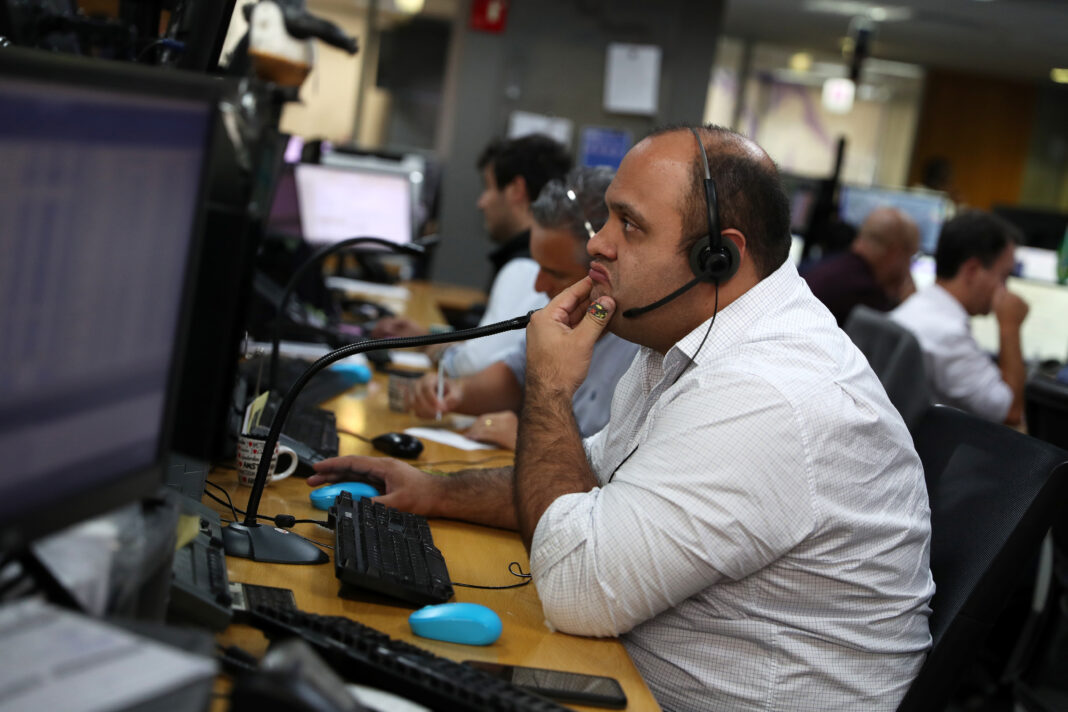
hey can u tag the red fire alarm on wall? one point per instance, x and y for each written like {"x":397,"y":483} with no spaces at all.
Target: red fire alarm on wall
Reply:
{"x":489,"y":15}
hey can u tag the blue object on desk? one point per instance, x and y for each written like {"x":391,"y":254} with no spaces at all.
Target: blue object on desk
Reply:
{"x":323,"y":497}
{"x":357,"y":372}
{"x":1062,"y":375}
{"x":467,"y":623}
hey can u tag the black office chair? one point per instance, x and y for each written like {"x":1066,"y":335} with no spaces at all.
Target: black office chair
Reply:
{"x":1046,"y":409}
{"x":994,"y":493}
{"x":895,"y":356}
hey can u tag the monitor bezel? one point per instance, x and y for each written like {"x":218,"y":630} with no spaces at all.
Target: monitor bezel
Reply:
{"x":82,"y":73}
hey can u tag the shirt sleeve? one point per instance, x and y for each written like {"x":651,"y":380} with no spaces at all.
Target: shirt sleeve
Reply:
{"x":701,"y":499}
{"x":971,"y":379}
{"x":511,"y":295}
{"x":516,"y":361}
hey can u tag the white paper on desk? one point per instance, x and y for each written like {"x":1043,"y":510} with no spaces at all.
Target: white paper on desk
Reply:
{"x":410,"y":359}
{"x":369,"y":289}
{"x":448,"y":437}
{"x":51,"y":659}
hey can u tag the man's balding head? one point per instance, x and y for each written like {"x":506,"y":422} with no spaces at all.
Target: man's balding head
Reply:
{"x":887,"y":240}
{"x":749,"y":195}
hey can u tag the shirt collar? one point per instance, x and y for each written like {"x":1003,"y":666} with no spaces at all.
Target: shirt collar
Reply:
{"x":946,"y":301}
{"x":733,"y":321}
{"x":516,"y":246}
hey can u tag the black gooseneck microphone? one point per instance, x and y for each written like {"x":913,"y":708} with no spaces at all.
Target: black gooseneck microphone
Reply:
{"x":251,"y":540}
{"x":409,"y":248}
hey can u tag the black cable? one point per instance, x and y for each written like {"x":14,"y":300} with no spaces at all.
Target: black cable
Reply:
{"x":209,"y":495}
{"x":355,"y":435}
{"x":236,"y":660}
{"x":285,"y":521}
{"x":715,"y":311}
{"x":229,"y":501}
{"x":517,"y":567}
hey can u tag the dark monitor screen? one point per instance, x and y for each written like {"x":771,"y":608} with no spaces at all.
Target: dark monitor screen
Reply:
{"x":100,"y":185}
{"x":1044,"y":229}
{"x":927,"y":209}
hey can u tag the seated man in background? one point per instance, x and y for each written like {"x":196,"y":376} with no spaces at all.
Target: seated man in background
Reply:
{"x":566,"y":215}
{"x":753,"y":520}
{"x":513,"y":174}
{"x":874,"y":271}
{"x":973,"y":260}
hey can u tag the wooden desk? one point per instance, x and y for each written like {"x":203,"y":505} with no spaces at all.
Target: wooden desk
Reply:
{"x":474,"y":554}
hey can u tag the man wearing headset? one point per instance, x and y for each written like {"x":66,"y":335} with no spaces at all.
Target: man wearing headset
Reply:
{"x":753,"y":521}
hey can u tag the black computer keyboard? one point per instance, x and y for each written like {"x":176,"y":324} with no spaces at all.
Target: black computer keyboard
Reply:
{"x":323,"y":386}
{"x":365,"y":656}
{"x":315,"y":427}
{"x":310,"y":432}
{"x":388,"y":551}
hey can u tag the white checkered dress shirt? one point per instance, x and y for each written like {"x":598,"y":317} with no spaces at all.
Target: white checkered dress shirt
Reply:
{"x":766,"y":544}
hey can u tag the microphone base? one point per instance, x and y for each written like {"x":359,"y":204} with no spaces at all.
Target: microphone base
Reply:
{"x":270,"y":545}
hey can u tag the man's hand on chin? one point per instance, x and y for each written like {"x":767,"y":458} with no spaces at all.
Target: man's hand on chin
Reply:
{"x":560,"y":338}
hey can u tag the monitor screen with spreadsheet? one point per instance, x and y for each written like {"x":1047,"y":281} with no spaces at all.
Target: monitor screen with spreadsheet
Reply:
{"x":926,"y":208}
{"x":101,"y":174}
{"x":337,"y":203}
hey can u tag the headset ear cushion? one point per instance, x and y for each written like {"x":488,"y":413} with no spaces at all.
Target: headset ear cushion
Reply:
{"x":714,"y":264}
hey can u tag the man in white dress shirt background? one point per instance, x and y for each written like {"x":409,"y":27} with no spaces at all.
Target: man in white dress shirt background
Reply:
{"x":513,"y":173}
{"x":752,"y":522}
{"x":973,"y":260}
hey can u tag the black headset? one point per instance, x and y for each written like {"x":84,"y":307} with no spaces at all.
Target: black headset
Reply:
{"x":712,"y":259}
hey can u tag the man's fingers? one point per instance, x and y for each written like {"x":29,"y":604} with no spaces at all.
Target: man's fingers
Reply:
{"x":568,"y":301}
{"x":598,"y":314}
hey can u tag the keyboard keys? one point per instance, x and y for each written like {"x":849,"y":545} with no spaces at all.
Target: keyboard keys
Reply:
{"x":385,"y":550}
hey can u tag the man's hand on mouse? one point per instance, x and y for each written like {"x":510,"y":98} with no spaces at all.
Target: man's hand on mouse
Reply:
{"x":403,"y":486}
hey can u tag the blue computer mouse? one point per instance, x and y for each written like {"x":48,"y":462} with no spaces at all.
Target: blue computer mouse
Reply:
{"x":357,"y":372}
{"x":323,"y":497}
{"x":467,"y":623}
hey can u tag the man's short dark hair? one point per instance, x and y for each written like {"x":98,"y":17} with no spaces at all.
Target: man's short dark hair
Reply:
{"x":749,"y":195}
{"x":537,"y":158}
{"x":972,"y":233}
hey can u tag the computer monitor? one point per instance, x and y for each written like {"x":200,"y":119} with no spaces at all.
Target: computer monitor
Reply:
{"x":101,"y":179}
{"x":928,"y":209}
{"x":339,"y":203}
{"x":1035,"y":263}
{"x":1044,"y":334}
{"x":1041,"y":228}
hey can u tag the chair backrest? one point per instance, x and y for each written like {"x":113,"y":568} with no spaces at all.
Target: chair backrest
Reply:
{"x":994,"y":493}
{"x":1046,"y":409}
{"x":896,"y":357}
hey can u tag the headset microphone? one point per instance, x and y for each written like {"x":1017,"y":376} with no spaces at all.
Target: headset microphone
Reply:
{"x":638,"y":311}
{"x":712,"y":259}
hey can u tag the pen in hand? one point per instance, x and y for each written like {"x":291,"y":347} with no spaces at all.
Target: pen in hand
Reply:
{"x":441,"y":387}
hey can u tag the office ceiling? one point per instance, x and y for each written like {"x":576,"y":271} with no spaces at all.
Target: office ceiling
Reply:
{"x":1013,"y":38}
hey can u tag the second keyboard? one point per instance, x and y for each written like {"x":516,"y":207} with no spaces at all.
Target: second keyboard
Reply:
{"x":388,"y":551}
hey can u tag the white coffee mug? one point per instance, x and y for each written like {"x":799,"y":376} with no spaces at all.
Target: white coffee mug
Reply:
{"x":249,"y":452}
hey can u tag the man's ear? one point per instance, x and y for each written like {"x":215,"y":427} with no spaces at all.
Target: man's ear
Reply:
{"x":739,"y":241}
{"x":969,"y":268}
{"x":516,"y":191}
